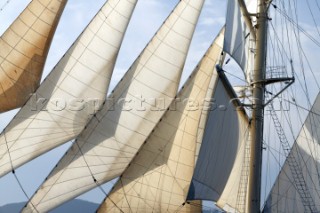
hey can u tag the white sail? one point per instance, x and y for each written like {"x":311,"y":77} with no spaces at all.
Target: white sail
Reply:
{"x":160,"y":174}
{"x":234,"y":195}
{"x":239,"y":41}
{"x":23,"y":50}
{"x":284,"y":195}
{"x":116,"y":133}
{"x":61,"y":106}
{"x":225,"y":131}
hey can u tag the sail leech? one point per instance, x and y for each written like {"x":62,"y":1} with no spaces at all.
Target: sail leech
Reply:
{"x":112,"y":137}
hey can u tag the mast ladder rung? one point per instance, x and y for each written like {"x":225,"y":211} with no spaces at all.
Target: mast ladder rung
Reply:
{"x":243,"y":186}
{"x":295,"y":167}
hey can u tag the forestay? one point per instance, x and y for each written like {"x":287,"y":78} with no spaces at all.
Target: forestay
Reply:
{"x":115,"y":134}
{"x":284,"y":196}
{"x":239,"y":41}
{"x":159,"y":176}
{"x":23,"y":51}
{"x":69,"y":96}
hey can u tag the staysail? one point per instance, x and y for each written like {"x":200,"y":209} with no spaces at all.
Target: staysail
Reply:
{"x":285,"y":194}
{"x":115,"y":134}
{"x":71,"y":93}
{"x":159,"y":176}
{"x":226,"y":130}
{"x":23,"y":51}
{"x":239,"y":40}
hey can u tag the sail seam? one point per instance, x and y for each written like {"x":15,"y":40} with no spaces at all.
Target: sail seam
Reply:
{"x":14,"y":173}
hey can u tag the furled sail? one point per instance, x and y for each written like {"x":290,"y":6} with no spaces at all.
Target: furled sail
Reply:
{"x":68,"y":97}
{"x":23,"y":51}
{"x":115,"y":134}
{"x":284,"y":195}
{"x":159,"y":176}
{"x":239,"y":41}
{"x":226,"y":129}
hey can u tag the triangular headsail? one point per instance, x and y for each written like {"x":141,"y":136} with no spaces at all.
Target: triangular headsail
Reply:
{"x":239,"y":39}
{"x":61,"y":106}
{"x":286,"y":194}
{"x":225,"y":132}
{"x":116,"y":133}
{"x":159,"y":176}
{"x":23,"y":51}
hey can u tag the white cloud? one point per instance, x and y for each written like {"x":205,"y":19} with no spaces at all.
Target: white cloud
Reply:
{"x":211,"y":21}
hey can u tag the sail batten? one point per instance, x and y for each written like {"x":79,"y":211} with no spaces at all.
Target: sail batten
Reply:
{"x":23,"y":50}
{"x":115,"y":133}
{"x":72,"y":92}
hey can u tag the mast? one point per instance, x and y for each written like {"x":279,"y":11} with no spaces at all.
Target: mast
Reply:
{"x":258,"y":88}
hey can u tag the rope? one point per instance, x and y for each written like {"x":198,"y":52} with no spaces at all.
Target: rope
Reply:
{"x":14,"y":173}
{"x":3,"y":6}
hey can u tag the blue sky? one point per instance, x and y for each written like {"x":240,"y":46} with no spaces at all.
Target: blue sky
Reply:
{"x":147,"y":18}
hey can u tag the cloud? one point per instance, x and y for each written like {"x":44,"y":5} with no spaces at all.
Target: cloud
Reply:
{"x":210,"y":21}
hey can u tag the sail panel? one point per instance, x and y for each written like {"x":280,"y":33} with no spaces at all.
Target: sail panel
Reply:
{"x":23,"y":51}
{"x":284,"y":195}
{"x":160,"y":174}
{"x":225,"y":131}
{"x":232,"y":199}
{"x":72,"y":92}
{"x":115,"y":134}
{"x":239,"y":41}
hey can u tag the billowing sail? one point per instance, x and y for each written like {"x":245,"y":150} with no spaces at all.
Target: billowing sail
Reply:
{"x":23,"y":51}
{"x":286,"y":194}
{"x":115,"y":133}
{"x":69,"y":96}
{"x":239,"y":41}
{"x":224,"y":133}
{"x":159,"y":176}
{"x":234,"y":195}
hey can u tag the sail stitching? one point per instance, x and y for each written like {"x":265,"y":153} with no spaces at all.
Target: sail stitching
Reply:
{"x":125,"y":196}
{"x":147,"y":60}
{"x":86,"y":48}
{"x":160,"y":154}
{"x":14,"y":173}
{"x":242,"y":191}
{"x":77,"y":150}
{"x":279,"y":199}
{"x":312,"y":114}
{"x":170,"y":124}
{"x":65,"y":77}
{"x":66,"y":92}
{"x":143,"y":65}
{"x":294,"y":165}
{"x":136,"y":182}
{"x":21,"y":38}
{"x":184,"y":119}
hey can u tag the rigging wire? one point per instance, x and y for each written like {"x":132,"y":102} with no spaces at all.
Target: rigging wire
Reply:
{"x":90,"y":170}
{"x":272,"y":150}
{"x":315,"y":41}
{"x":124,"y":193}
{"x":4,"y":5}
{"x":303,"y":85}
{"x":14,"y":172}
{"x":313,"y":17}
